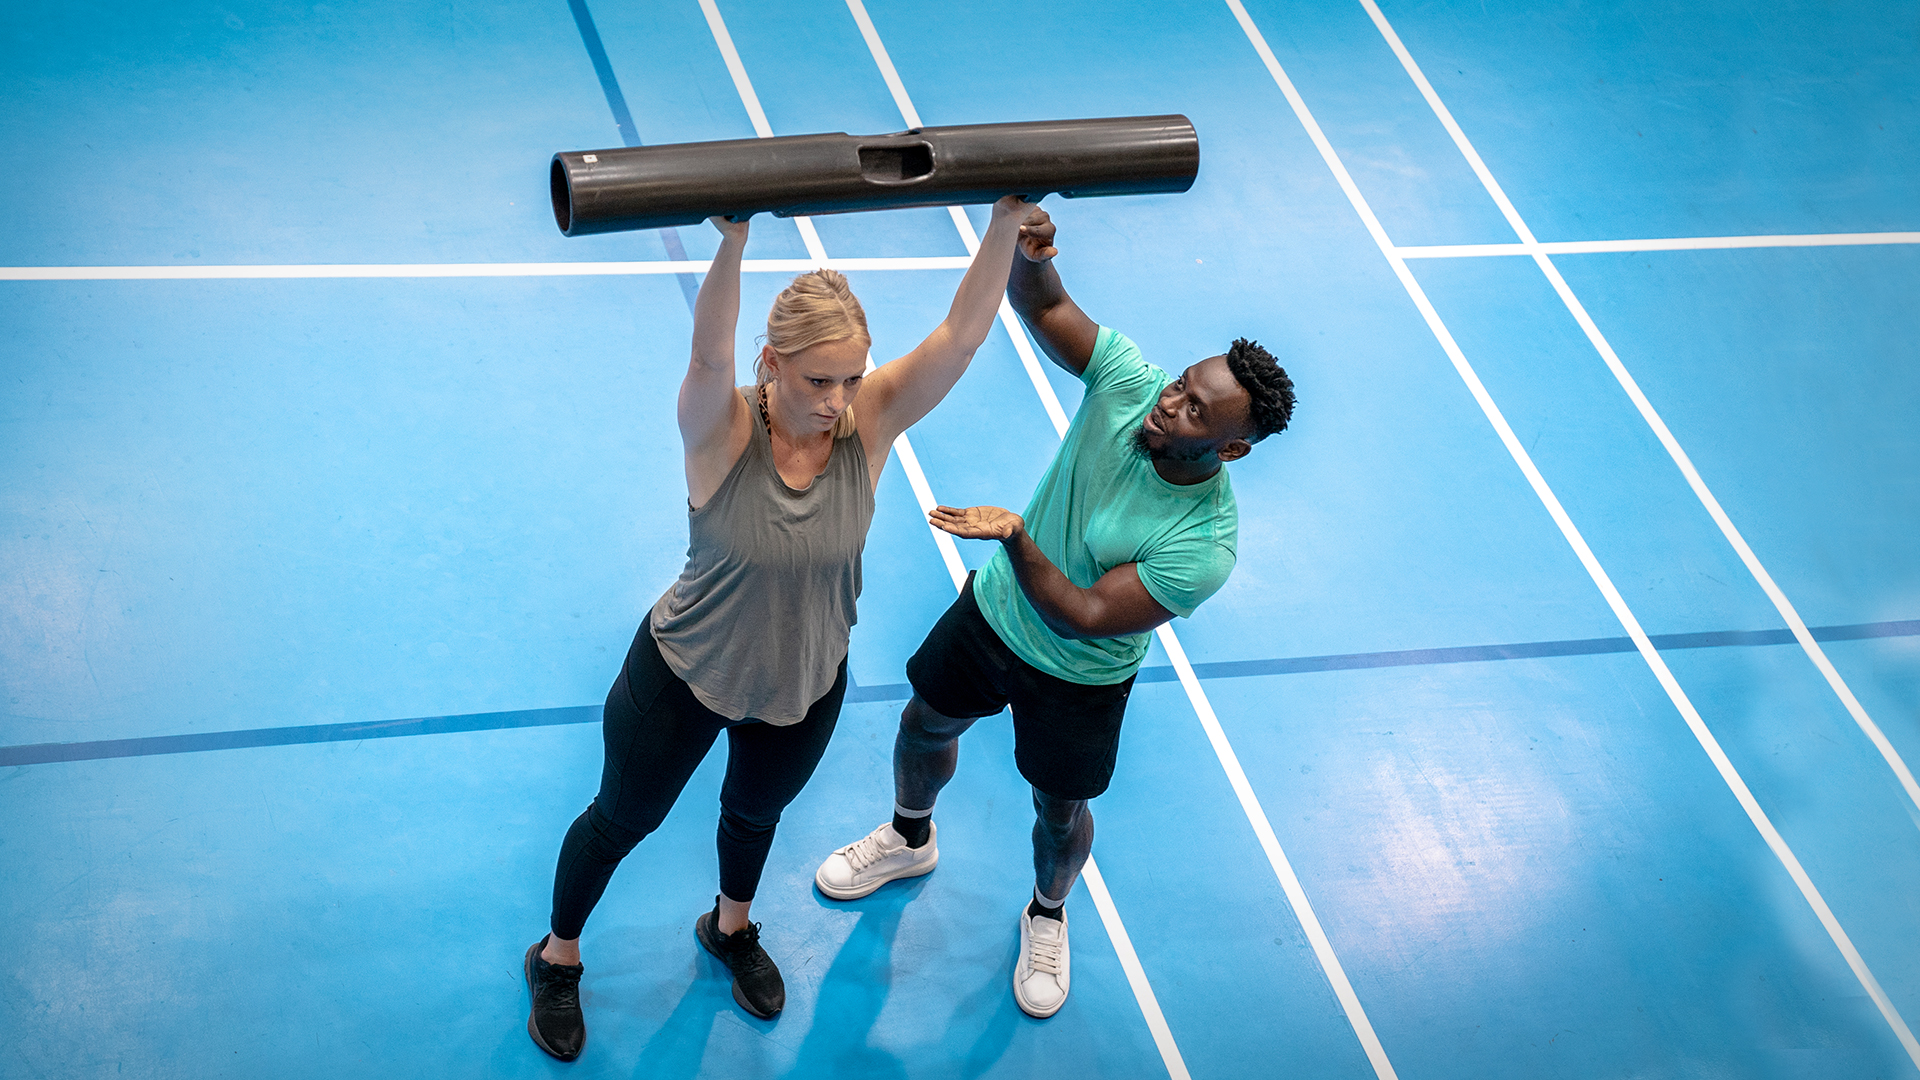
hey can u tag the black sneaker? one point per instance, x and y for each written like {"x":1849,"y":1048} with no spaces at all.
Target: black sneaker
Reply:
{"x":555,"y":1022}
{"x":757,"y":985}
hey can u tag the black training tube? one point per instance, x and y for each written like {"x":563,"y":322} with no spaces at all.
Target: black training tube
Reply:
{"x":652,"y":187}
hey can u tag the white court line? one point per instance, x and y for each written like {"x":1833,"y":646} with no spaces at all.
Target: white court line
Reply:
{"x":471,"y":270}
{"x":1560,"y":518}
{"x":950,"y":555}
{"x":923,"y":494}
{"x":1282,"y":867}
{"x":1028,"y":360}
{"x":790,"y":266}
{"x":1625,"y":379}
{"x":1675,"y":243}
{"x":1090,"y":874}
{"x":1096,"y":885}
{"x":755,"y":113}
{"x":1223,"y":749}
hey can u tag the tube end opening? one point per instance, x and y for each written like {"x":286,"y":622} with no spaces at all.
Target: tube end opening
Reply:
{"x":562,"y":197}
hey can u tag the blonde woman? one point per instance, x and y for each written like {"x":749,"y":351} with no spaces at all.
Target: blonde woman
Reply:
{"x":752,"y":639}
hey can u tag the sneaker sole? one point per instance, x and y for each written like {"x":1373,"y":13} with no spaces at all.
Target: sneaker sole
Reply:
{"x":526,"y":968}
{"x":869,"y":888}
{"x":702,"y":927}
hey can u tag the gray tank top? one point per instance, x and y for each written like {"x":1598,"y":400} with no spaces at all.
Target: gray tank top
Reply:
{"x":757,"y":624}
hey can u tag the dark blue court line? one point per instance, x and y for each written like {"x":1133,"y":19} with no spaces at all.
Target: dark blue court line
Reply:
{"x":42,"y":753}
{"x":1473,"y":654}
{"x":629,"y":134}
{"x":294,"y":736}
{"x":1470,"y":654}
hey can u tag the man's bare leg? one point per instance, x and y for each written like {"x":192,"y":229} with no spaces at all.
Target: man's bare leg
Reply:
{"x":926,"y":751}
{"x":1062,"y":841}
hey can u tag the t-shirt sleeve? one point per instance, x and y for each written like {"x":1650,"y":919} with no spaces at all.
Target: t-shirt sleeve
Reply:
{"x":1183,"y":574}
{"x":1116,"y":362}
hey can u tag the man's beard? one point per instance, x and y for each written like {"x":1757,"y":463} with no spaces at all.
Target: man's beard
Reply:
{"x":1145,"y":448}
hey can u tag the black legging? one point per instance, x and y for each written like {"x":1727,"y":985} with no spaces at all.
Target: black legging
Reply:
{"x":656,"y":734}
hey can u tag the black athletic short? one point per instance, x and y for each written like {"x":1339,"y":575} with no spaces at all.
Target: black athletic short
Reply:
{"x":1066,"y":735}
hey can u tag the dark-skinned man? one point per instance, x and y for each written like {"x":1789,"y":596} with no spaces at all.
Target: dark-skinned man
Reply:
{"x":1133,"y":524}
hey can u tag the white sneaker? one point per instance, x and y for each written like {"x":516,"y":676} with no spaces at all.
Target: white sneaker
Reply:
{"x":875,"y":859}
{"x":1040,"y":976}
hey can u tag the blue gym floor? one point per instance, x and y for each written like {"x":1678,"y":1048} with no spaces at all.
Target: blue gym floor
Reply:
{"x":321,"y":544}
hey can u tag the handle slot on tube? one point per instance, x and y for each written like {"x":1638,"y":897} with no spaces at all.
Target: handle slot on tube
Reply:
{"x":898,"y":164}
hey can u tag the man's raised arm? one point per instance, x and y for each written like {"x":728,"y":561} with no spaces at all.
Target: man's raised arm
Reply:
{"x":1063,"y":330}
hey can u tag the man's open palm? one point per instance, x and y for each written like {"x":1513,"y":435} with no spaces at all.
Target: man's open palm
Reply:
{"x":976,"y":522}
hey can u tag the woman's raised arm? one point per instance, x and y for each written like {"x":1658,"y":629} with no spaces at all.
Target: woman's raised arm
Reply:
{"x":714,"y":424}
{"x":898,"y":394}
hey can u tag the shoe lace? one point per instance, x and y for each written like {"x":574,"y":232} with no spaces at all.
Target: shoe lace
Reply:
{"x":1046,"y":954}
{"x":560,"y":986}
{"x":744,"y":945}
{"x":863,"y":853}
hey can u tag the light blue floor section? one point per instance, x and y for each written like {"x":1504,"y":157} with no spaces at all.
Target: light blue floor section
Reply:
{"x":232,"y":505}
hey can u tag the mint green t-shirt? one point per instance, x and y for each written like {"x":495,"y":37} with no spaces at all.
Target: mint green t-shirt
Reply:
{"x":1102,"y":505}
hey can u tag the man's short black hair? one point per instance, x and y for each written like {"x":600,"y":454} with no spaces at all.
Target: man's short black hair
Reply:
{"x":1266,"y":383}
